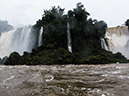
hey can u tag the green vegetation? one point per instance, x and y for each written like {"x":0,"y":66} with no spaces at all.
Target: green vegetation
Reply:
{"x":85,"y":37}
{"x":14,"y":59}
{"x":52,"y":54}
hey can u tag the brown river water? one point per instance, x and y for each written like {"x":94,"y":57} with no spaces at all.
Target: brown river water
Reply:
{"x":65,"y":80}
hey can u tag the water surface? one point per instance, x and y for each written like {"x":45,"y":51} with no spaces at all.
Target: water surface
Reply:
{"x":65,"y":80}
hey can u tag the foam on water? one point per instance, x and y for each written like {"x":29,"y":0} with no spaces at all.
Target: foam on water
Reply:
{"x":66,"y":80}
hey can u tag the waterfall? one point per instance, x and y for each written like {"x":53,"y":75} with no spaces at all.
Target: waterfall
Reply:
{"x":40,"y":37}
{"x":118,"y":39}
{"x":19,"y":40}
{"x":69,"y":38}
{"x":103,"y":44}
{"x":5,"y":40}
{"x":127,"y":45}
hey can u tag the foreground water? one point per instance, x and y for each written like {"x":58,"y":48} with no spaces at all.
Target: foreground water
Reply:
{"x":65,"y":80}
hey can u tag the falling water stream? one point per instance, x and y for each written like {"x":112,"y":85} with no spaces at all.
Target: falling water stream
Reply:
{"x":5,"y":40}
{"x":40,"y":37}
{"x":69,"y":38}
{"x":19,"y":40}
{"x":103,"y":44}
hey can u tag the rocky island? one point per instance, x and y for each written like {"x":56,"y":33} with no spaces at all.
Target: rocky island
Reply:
{"x":70,"y":38}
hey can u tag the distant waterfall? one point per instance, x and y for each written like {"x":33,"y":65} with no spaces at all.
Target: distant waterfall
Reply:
{"x":19,"y":40}
{"x":40,"y":37}
{"x":69,"y":38}
{"x":5,"y":40}
{"x":118,"y":40}
{"x":103,"y":44}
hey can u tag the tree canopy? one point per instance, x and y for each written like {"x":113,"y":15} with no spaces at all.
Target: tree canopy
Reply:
{"x":55,"y":21}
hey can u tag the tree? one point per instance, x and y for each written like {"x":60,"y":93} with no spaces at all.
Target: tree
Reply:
{"x":101,"y":26}
{"x":83,"y":32}
{"x":127,"y":23}
{"x":54,"y":25}
{"x":81,"y":12}
{"x":52,"y":14}
{"x":78,"y":19}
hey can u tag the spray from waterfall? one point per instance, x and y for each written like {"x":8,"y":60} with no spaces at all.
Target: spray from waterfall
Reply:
{"x":40,"y":36}
{"x":69,"y":38}
{"x":19,"y":40}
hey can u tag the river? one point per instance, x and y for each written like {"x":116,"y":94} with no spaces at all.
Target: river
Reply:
{"x":65,"y":80}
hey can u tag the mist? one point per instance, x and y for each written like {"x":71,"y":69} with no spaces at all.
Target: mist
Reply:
{"x":4,"y":26}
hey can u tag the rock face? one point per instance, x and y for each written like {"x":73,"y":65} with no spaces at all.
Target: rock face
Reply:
{"x":118,"y":39}
{"x":119,"y":31}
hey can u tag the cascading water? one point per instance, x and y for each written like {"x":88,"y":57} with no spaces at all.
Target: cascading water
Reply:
{"x":103,"y":44}
{"x":5,"y":40}
{"x":118,"y":40}
{"x":19,"y":40}
{"x":40,"y":37}
{"x":69,"y":38}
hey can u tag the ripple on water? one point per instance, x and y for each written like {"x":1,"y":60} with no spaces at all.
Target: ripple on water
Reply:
{"x":115,"y":72}
{"x":49,"y":78}
{"x":5,"y":80}
{"x":67,"y":80}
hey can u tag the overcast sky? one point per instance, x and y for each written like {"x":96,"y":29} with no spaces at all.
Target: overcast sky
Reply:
{"x":24,"y":12}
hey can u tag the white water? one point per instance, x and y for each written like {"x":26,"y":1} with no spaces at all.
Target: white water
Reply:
{"x":19,"y":40}
{"x":40,"y":37}
{"x":69,"y":38}
{"x":118,"y":39}
{"x":5,"y":40}
{"x":103,"y":44}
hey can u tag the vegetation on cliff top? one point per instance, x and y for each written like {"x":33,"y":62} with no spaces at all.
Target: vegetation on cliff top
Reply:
{"x":85,"y":37}
{"x":53,"y":54}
